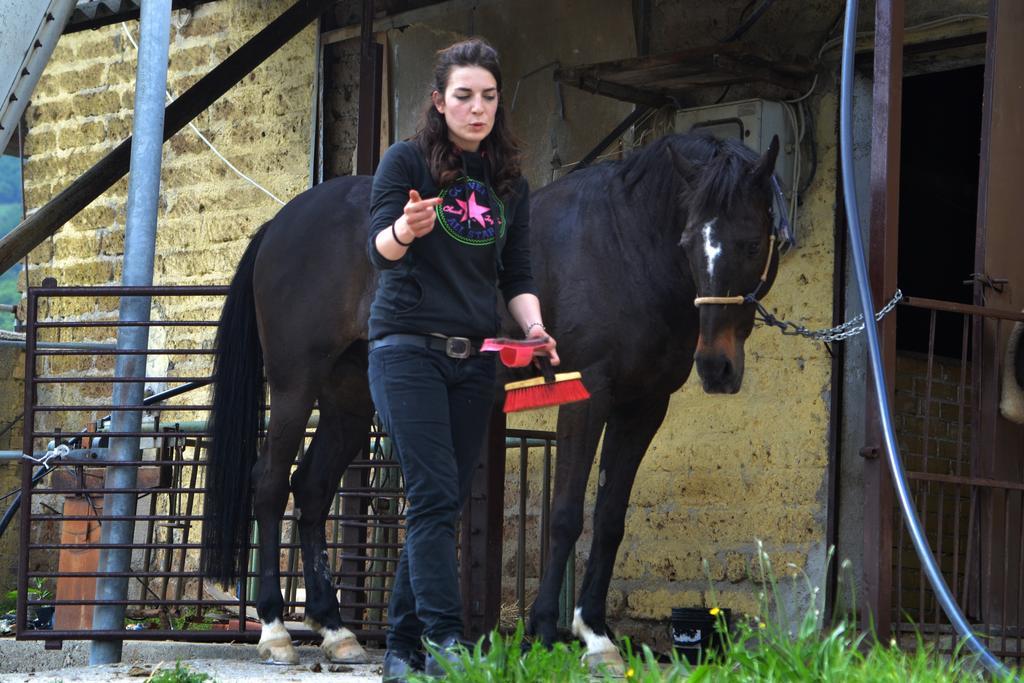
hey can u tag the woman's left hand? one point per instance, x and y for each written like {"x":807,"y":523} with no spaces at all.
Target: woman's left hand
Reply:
{"x":548,"y":349}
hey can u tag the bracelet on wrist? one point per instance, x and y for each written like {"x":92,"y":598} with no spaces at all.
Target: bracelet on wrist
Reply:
{"x":394,"y":234}
{"x":533,"y":325}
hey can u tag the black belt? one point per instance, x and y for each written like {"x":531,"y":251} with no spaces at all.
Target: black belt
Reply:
{"x":453,"y":347}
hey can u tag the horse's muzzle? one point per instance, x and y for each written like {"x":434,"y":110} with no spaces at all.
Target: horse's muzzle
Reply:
{"x":720,"y":366}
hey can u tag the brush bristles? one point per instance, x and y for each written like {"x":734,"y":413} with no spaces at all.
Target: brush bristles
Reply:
{"x":544,"y":395}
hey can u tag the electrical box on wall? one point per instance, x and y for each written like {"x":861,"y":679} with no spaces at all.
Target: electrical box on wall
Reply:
{"x":752,"y":121}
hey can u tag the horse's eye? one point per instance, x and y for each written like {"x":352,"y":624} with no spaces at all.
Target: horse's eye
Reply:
{"x":752,"y":248}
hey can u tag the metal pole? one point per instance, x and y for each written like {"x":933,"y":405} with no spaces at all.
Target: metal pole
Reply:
{"x":140,"y":244}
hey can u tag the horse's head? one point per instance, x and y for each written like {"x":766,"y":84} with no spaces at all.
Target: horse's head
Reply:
{"x":729,"y":245}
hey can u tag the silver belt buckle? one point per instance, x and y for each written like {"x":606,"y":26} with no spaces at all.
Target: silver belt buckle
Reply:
{"x":457,"y":347}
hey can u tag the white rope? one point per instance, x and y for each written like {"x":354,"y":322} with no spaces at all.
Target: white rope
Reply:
{"x":209,"y":144}
{"x":44,"y":460}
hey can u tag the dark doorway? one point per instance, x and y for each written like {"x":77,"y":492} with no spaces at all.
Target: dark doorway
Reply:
{"x":941,"y":141}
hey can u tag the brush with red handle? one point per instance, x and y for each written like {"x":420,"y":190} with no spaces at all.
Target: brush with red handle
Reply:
{"x":539,"y":392}
{"x":549,"y":389}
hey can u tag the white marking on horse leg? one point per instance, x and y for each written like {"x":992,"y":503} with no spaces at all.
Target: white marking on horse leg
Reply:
{"x":602,"y":656}
{"x":275,"y":646}
{"x":711,"y":249}
{"x":340,"y":646}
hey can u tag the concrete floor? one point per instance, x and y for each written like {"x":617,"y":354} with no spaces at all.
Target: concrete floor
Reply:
{"x":27,"y":661}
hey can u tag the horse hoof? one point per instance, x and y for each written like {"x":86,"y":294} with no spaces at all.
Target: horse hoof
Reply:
{"x":608,"y":663}
{"x":275,"y":646}
{"x":278,"y":651}
{"x":341,"y":647}
{"x":602,"y":656}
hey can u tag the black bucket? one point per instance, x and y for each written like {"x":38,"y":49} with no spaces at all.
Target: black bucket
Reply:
{"x":694,"y":632}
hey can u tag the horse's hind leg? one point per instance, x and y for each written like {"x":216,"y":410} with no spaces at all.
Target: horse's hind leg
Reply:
{"x":629,"y":432}
{"x":290,"y":409}
{"x":345,"y":414}
{"x":579,"y":428}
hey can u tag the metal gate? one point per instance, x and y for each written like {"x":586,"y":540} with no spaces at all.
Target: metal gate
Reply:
{"x":68,"y":382}
{"x":973,"y":517}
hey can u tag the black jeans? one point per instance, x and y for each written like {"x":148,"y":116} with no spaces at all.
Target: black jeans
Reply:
{"x":436,"y":410}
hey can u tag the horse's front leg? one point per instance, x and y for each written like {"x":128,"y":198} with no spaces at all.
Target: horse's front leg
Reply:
{"x":340,"y":436}
{"x":270,"y":474}
{"x":579,"y":429}
{"x":629,"y":432}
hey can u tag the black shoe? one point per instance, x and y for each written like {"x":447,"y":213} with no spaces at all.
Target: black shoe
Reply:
{"x":399,"y":664}
{"x":447,"y":649}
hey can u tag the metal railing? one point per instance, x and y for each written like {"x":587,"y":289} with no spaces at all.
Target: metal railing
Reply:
{"x":67,"y":401}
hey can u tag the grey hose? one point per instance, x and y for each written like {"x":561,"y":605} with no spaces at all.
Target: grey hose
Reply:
{"x":899,"y":480}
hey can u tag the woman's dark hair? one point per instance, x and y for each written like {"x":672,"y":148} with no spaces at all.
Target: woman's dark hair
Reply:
{"x":500,"y":149}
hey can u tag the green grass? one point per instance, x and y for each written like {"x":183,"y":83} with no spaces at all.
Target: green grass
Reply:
{"x":505,"y":661}
{"x":755,"y":651}
{"x":179,"y":674}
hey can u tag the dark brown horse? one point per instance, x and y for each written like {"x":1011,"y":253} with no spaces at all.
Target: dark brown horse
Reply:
{"x":620,"y":252}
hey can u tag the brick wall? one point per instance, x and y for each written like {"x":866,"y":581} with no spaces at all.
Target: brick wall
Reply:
{"x":947,"y":444}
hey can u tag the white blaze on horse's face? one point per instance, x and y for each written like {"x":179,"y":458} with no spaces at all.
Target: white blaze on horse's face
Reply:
{"x":712,"y":249}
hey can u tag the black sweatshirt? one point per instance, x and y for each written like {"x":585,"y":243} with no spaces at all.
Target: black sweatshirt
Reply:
{"x":445,"y":283}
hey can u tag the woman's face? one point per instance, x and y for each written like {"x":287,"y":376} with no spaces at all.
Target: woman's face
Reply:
{"x":469,"y":105}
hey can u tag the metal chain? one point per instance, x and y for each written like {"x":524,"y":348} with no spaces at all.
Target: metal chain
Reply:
{"x":831,"y":334}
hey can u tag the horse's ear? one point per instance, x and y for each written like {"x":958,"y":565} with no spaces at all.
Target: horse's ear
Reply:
{"x":686,"y":170}
{"x":765,"y":166}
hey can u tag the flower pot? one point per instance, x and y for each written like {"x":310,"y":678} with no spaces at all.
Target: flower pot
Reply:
{"x":41,"y":618}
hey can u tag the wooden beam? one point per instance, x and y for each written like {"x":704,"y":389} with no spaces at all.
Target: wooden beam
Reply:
{"x":654,"y":80}
{"x":402,"y":14}
{"x":614,"y":90}
{"x":50,"y":217}
{"x":371,"y":67}
{"x":882,"y":261}
{"x":480,"y":552}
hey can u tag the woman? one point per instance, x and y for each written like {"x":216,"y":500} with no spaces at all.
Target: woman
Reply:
{"x":449,"y":228}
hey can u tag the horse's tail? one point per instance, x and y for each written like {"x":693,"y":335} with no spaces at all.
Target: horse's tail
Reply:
{"x":234,"y":426}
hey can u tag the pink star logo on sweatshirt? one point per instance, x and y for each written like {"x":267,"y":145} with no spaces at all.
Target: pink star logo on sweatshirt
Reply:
{"x":473,"y":211}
